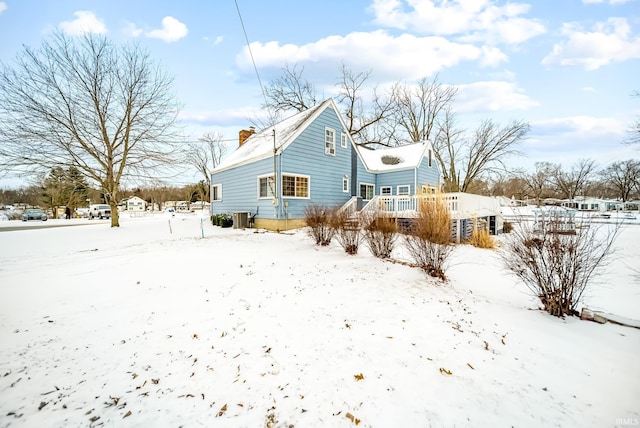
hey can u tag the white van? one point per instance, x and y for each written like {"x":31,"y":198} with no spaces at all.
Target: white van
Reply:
{"x":99,"y":211}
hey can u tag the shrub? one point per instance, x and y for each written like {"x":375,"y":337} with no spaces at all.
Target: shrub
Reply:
{"x":558,"y":267}
{"x":507,"y":227}
{"x":346,"y":230}
{"x":318,"y":219}
{"x":380,"y":232}
{"x":480,"y":236}
{"x":429,"y":240}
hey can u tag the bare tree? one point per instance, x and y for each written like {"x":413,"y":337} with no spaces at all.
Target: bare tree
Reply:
{"x":623,"y":177}
{"x":206,"y":154}
{"x":86,"y":103}
{"x":420,"y":106}
{"x":538,"y":182}
{"x":464,"y":160}
{"x":366,"y":121}
{"x":290,"y":91}
{"x":571,"y":183}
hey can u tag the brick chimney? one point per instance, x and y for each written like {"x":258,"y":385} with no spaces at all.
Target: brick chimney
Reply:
{"x":244,"y":134}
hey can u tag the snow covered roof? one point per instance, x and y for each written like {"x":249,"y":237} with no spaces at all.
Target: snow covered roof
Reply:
{"x":261,"y":144}
{"x":393,"y":158}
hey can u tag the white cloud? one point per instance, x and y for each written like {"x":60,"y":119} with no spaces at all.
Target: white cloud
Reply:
{"x":472,"y":20}
{"x":85,"y":22}
{"x":588,"y":89}
{"x":581,"y":127}
{"x":481,"y":97}
{"x":608,"y":42}
{"x":131,"y":30}
{"x":602,"y":1}
{"x":3,"y":6}
{"x":413,"y":57}
{"x":215,"y":41}
{"x":171,"y":30}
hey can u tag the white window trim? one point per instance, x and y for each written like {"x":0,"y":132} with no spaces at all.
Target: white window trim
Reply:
{"x":343,"y":140}
{"x":382,"y":188}
{"x":219,"y":187}
{"x":308,"y":177}
{"x":368,"y":185}
{"x":330,"y":146}
{"x":258,"y":187}
{"x":345,"y":184}
{"x":403,"y":194}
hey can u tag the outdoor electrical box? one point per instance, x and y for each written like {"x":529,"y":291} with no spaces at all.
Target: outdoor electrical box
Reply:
{"x":240,"y":220}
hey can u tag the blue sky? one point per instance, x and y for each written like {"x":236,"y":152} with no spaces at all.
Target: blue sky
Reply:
{"x":568,"y":67}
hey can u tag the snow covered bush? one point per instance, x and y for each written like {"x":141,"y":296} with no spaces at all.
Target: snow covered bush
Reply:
{"x":380,"y":232}
{"x":346,"y":230}
{"x":558,"y":267}
{"x":429,"y":239}
{"x":318,"y":219}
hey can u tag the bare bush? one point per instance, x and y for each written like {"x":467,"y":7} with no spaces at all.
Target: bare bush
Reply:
{"x":429,"y":240}
{"x":480,"y":236}
{"x":380,"y":232}
{"x":347,"y":230}
{"x":318,"y":219}
{"x":558,"y":267}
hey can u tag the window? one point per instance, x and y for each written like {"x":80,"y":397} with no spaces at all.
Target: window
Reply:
{"x":385,"y":190}
{"x":266,"y":187}
{"x":343,"y":140}
{"x":295,"y":186}
{"x":216,"y":192}
{"x":366,"y":191}
{"x":428,"y":190}
{"x":403,"y":190}
{"x":345,"y":183}
{"x":329,"y":142}
{"x":430,"y":157}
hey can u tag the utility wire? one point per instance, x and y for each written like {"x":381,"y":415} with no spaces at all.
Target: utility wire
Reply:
{"x":264,"y":95}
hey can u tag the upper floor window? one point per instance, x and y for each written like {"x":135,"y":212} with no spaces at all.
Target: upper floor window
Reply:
{"x":343,"y":140}
{"x":329,"y":141}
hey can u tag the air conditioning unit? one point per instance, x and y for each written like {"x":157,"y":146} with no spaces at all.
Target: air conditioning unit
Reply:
{"x":240,"y":220}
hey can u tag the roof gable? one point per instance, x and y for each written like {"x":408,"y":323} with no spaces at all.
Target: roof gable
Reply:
{"x":261,"y":144}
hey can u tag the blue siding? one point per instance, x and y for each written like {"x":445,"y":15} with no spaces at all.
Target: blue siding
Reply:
{"x":240,"y":190}
{"x":395,"y":179}
{"x":306,"y":156}
{"x":428,"y":175}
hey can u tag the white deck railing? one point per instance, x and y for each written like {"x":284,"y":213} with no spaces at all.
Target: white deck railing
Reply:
{"x":460,"y":204}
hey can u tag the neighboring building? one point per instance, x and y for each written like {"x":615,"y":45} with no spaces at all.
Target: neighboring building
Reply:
{"x":315,"y":161}
{"x":135,"y":204}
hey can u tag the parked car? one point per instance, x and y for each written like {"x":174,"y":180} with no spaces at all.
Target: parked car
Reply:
{"x":34,"y":214}
{"x":99,"y":211}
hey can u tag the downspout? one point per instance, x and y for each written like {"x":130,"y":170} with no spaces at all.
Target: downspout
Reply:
{"x":354,"y":171}
{"x":275,"y":176}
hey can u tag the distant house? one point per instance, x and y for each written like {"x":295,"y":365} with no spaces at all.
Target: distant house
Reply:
{"x":310,"y":158}
{"x":135,"y":204}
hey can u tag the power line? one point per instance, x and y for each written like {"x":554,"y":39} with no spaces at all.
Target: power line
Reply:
{"x":251,"y":53}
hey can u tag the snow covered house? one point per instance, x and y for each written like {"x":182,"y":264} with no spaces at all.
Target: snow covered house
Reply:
{"x":135,"y":204}
{"x":314,"y":161}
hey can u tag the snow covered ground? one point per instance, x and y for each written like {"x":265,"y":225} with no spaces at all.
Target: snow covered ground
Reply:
{"x":170,"y":321}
